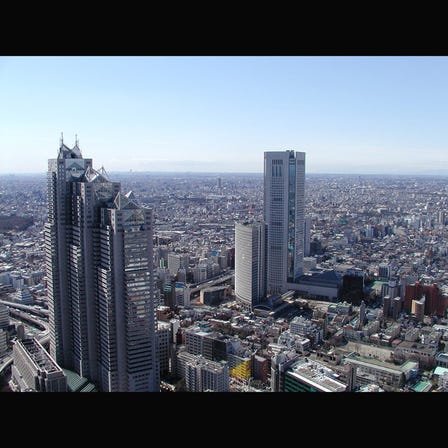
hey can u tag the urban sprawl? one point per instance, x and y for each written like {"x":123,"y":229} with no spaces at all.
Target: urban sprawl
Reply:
{"x":360,"y":304}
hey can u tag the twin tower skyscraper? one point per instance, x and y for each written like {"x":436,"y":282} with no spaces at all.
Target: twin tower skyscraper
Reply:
{"x":99,"y":260}
{"x":269,"y":254}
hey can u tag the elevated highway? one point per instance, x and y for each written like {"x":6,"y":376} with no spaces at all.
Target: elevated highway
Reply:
{"x":196,"y":287}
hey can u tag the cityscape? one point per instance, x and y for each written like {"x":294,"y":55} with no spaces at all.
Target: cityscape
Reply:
{"x":280,"y":281}
{"x":259,"y":224}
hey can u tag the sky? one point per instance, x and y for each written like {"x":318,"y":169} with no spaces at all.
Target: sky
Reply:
{"x":350,"y":114}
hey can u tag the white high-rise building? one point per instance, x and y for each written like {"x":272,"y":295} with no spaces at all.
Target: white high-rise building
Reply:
{"x":174,"y":263}
{"x":99,"y":259}
{"x":284,"y":214}
{"x":250,"y":263}
{"x":203,"y":375}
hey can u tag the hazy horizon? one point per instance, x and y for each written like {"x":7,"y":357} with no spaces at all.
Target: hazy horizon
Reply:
{"x":349,"y":114}
{"x":113,"y":172}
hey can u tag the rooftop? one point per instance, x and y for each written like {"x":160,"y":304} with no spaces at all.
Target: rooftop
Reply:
{"x":422,"y":386}
{"x":317,"y":376}
{"x":440,"y":370}
{"x":327,"y":277}
{"x":380,"y":365}
{"x":39,"y":355}
{"x":76,"y":383}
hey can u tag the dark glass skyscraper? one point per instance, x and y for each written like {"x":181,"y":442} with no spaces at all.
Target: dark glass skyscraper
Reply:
{"x":99,"y":259}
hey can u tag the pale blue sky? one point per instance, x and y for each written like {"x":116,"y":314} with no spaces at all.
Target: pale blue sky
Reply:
{"x":349,"y":114}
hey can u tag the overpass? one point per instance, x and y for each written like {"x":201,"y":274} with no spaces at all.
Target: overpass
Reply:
{"x":22,"y":312}
{"x":38,"y":323}
{"x":194,"y":288}
{"x":41,"y":312}
{"x":7,"y":361}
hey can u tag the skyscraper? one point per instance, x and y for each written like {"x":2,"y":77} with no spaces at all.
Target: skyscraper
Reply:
{"x":98,"y":245}
{"x":250,"y":263}
{"x":284,"y":213}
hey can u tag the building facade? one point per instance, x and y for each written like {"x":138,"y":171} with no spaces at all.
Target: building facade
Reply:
{"x":3,"y":342}
{"x":4,"y":316}
{"x":203,"y":375}
{"x":164,"y":354}
{"x":34,"y":370}
{"x":250,"y":263}
{"x":99,"y":259}
{"x":373,"y":371}
{"x":284,"y":214}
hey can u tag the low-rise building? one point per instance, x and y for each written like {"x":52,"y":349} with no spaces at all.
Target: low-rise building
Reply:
{"x":414,"y":351}
{"x":35,"y":370}
{"x":306,"y":375}
{"x":442,"y":359}
{"x":387,"y":375}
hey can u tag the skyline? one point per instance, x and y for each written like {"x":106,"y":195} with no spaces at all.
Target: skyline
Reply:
{"x":350,"y":114}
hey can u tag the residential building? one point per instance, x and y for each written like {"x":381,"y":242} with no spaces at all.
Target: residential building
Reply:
{"x":202,"y":375}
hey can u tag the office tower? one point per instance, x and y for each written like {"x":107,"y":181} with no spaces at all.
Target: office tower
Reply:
{"x":387,"y":305}
{"x":384,"y":271}
{"x":177,"y":262}
{"x":396,"y":304}
{"x":250,"y":263}
{"x":284,"y":208}
{"x":99,"y":258}
{"x":34,"y":369}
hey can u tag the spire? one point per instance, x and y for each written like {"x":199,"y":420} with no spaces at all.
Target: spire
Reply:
{"x":75,"y":148}
{"x":103,"y":172}
{"x":62,"y":138}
